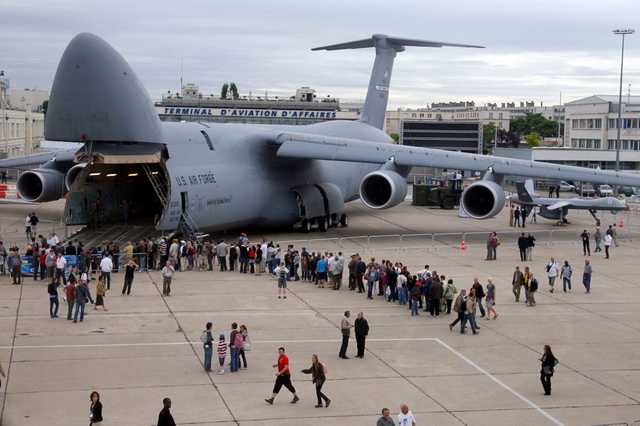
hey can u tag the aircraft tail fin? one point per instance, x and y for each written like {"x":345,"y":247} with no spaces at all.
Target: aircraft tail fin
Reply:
{"x":375,"y":105}
{"x":525,"y":189}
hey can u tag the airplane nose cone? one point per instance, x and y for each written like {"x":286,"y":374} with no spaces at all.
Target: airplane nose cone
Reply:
{"x":96,"y":96}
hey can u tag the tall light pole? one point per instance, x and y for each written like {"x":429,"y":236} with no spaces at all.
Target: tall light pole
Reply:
{"x":623,"y":32}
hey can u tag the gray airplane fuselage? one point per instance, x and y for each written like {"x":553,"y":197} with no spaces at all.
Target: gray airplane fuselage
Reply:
{"x":245,"y":182}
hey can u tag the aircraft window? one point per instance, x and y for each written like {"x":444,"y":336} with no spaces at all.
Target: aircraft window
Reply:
{"x":207,"y":140}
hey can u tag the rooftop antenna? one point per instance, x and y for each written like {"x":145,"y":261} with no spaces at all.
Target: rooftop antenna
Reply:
{"x":181,"y":73}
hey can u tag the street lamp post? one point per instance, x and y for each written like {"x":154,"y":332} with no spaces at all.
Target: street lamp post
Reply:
{"x":623,"y":32}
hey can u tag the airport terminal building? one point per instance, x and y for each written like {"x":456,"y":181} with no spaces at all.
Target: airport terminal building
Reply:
{"x":303,"y":108}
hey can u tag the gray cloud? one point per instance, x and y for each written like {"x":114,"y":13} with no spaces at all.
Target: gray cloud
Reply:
{"x":534,"y":49}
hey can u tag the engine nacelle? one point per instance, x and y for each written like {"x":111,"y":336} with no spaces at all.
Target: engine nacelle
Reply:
{"x":72,"y":174}
{"x":383,"y":189}
{"x":483,"y":199}
{"x":41,"y":185}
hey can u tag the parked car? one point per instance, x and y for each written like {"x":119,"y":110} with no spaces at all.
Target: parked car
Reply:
{"x":587,"y":190}
{"x":567,"y":187}
{"x":627,"y":191}
{"x":605,"y":191}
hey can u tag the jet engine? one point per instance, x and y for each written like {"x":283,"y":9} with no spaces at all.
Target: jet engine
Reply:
{"x":41,"y":185}
{"x":483,"y":199}
{"x":383,"y":189}
{"x":72,"y":174}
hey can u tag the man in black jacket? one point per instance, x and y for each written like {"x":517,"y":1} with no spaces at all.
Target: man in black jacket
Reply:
{"x":523,"y":244}
{"x":361,"y":327}
{"x":165,"y":418}
{"x":361,"y":268}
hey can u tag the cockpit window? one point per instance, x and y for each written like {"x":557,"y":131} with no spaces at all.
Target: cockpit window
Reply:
{"x":207,"y":140}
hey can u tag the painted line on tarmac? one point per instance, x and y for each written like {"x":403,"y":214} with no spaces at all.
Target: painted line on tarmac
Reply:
{"x":277,"y":342}
{"x":501,"y":383}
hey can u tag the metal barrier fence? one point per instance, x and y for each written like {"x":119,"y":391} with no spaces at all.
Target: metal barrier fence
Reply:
{"x":440,"y":241}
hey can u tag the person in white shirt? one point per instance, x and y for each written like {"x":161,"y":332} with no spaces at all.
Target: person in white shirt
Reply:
{"x":167,"y":275}
{"x":406,"y":418}
{"x":55,"y":239}
{"x":608,"y":240}
{"x":106,"y":266}
{"x":61,"y":265}
{"x":552,"y":273}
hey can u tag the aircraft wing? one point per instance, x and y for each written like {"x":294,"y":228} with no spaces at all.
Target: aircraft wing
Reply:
{"x":35,"y":160}
{"x":559,"y":205}
{"x":319,"y":147}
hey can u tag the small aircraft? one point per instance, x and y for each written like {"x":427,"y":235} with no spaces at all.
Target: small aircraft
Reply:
{"x":558,"y":208}
{"x":205,"y":177}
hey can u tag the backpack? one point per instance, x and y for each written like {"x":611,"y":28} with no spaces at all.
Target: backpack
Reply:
{"x":533,"y":285}
{"x":325,"y":371}
{"x":238,"y":340}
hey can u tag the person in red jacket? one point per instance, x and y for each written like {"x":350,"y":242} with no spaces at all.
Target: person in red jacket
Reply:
{"x":70,"y":294}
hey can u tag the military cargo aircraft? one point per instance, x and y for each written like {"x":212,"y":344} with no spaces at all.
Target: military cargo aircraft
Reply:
{"x":216,"y":176}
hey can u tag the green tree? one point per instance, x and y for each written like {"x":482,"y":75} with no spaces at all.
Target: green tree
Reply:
{"x":532,"y":139}
{"x":395,"y":137}
{"x":488,"y":137}
{"x":234,"y":90}
{"x":535,"y":123}
{"x":223,"y":92}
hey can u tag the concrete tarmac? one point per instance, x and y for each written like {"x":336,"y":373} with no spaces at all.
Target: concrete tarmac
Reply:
{"x":146,"y":346}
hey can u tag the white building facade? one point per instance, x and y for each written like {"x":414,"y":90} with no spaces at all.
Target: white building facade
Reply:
{"x":393,"y":119}
{"x":591,"y":125}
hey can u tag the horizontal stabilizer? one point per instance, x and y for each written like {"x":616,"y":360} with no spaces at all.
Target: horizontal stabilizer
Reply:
{"x":395,"y":42}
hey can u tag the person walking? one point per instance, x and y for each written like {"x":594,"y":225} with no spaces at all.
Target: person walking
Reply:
{"x":491,"y":300}
{"x":565,"y":274}
{"x":361,"y":328}
{"x":167,"y":276}
{"x":95,"y":410}
{"x":549,"y":362}
{"x":533,"y":288}
{"x":165,"y":418}
{"x":54,"y":302}
{"x":608,"y":241}
{"x":83,"y":295}
{"x":516,"y":283}
{"x":283,"y":378}
{"x":106,"y":266}
{"x":318,"y":373}
{"x":459,"y":307}
{"x":406,"y":418}
{"x":478,"y":296}
{"x":531,"y":243}
{"x":207,"y":343}
{"x":597,"y":237}
{"x":523,"y":244}
{"x":100,"y":294}
{"x":586,"y":247}
{"x":450,"y":292}
{"x":129,"y":271}
{"x":70,"y":295}
{"x":516,"y":217}
{"x":345,"y":328}
{"x":385,"y":419}
{"x":586,"y":275}
{"x":470,"y":312}
{"x":552,"y":273}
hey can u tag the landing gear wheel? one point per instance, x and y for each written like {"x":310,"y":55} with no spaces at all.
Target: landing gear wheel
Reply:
{"x":324,"y":224}
{"x":306,"y":226}
{"x":344,"y":222}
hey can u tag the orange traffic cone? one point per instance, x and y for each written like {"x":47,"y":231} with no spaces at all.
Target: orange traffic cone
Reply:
{"x":463,"y":246}
{"x":621,"y":224}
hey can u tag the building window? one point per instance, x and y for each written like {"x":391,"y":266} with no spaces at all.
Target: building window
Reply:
{"x":626,"y":123}
{"x":421,"y":115}
{"x":598,"y":123}
{"x":596,"y":144}
{"x":574,"y":124}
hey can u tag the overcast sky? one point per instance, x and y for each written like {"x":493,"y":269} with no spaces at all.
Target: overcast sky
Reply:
{"x":534,"y":49}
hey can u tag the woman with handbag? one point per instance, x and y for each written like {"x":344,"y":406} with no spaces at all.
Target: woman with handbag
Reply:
{"x":246,"y":344}
{"x":318,"y":373}
{"x":549,"y":361}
